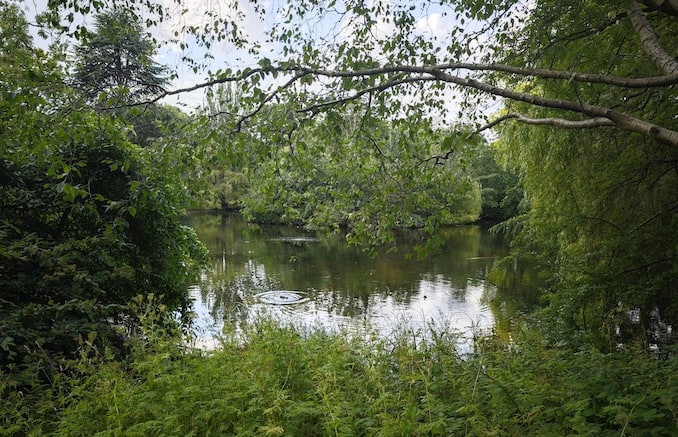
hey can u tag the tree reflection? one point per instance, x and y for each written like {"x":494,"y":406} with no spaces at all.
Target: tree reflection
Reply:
{"x":341,"y":280}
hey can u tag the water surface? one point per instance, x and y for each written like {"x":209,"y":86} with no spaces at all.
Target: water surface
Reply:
{"x":297,"y":277}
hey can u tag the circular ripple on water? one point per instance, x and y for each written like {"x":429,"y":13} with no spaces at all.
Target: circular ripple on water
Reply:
{"x":281,"y":297}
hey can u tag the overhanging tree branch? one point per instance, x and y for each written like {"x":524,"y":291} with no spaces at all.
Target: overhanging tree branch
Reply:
{"x":648,"y":39}
{"x":438,"y":73}
{"x":640,"y":82}
{"x":619,"y":119}
{"x":603,"y":79}
{"x":560,"y":123}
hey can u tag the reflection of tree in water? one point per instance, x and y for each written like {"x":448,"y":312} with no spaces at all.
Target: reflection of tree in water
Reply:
{"x":231,"y":294}
{"x":341,"y":303}
{"x":518,"y":286}
{"x":339,"y":279}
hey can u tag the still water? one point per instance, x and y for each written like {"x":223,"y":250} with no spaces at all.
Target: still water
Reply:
{"x":295,"y":277}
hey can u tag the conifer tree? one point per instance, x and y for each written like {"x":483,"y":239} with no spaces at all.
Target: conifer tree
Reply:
{"x":115,"y":65}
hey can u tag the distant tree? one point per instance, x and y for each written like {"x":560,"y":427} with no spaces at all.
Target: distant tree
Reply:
{"x":341,"y":171}
{"x":153,"y":121}
{"x":114,"y":64}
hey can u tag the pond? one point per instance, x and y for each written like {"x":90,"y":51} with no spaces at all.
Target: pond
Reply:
{"x":298,"y":278}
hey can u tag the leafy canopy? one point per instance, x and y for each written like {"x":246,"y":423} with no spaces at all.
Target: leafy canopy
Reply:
{"x":429,"y":53}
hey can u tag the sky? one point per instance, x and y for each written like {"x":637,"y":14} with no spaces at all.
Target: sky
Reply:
{"x":328,"y":26}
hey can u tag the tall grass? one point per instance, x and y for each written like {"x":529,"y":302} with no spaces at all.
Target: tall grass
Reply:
{"x":273,"y":380}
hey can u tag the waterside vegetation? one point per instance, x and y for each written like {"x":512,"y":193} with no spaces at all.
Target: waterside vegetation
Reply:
{"x":272,"y":380}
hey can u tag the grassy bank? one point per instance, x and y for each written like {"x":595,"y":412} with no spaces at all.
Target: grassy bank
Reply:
{"x":278,"y":381}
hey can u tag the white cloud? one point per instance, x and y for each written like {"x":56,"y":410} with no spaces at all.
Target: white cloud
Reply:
{"x":435,"y":25}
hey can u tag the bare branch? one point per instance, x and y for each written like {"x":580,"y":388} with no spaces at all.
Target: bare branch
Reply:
{"x":560,"y":123}
{"x":641,"y":82}
{"x":648,"y":39}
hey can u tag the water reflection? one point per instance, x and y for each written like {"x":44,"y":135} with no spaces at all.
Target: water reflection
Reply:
{"x":342,"y":287}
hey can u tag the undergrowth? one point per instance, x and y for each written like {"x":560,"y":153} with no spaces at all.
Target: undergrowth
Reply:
{"x":275,"y":380}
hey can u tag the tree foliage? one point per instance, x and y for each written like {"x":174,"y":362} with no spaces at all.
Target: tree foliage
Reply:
{"x":86,"y":223}
{"x":114,"y":62}
{"x":603,"y":202}
{"x":340,"y":171}
{"x":383,"y":50}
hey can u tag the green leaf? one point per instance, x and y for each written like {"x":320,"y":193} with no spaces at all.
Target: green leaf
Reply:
{"x":70,"y":192}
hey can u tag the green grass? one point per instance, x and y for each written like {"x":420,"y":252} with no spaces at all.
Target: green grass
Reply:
{"x":278,"y":381}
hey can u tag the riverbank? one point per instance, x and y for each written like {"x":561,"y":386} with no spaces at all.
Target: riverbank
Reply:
{"x":272,"y":380}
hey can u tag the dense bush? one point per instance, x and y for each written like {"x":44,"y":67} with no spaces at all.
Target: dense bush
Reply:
{"x":86,"y":221}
